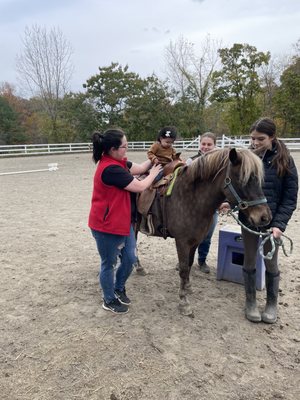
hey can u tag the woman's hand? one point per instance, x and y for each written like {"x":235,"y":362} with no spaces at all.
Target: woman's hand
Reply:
{"x":137,"y":186}
{"x":277,"y":233}
{"x":155,"y":170}
{"x":224,"y":208}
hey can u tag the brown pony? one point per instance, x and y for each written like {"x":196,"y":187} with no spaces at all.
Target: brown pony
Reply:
{"x":198,"y":191}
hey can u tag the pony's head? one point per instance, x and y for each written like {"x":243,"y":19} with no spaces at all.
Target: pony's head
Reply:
{"x":240,"y":172}
{"x":243,"y":186}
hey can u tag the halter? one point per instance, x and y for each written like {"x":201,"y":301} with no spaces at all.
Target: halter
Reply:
{"x":241,"y":204}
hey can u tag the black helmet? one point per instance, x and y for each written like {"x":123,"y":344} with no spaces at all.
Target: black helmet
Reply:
{"x":167,"y":132}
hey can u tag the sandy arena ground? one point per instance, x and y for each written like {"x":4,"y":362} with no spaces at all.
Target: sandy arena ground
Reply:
{"x":56,"y":341}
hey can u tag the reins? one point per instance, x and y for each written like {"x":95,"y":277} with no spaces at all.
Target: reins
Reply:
{"x":268,"y":235}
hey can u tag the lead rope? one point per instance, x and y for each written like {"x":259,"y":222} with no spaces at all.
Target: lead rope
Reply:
{"x":267,"y":236}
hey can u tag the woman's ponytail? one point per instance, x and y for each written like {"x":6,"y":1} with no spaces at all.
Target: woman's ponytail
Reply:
{"x":97,"y":140}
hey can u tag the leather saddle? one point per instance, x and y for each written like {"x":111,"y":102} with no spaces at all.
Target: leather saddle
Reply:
{"x":151,"y":203}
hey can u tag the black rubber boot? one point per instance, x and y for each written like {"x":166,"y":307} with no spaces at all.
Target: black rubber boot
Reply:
{"x":272,"y":284}
{"x":252,"y":313}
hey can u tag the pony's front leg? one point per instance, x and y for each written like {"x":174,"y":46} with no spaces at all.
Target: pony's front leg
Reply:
{"x":184,"y":273}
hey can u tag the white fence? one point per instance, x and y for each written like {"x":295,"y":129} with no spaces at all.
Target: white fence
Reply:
{"x":186,"y":145}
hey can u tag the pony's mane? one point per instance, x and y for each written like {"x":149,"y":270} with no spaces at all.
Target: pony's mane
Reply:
{"x":209,"y":165}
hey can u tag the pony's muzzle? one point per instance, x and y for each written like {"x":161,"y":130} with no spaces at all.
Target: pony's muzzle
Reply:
{"x":260,"y":216}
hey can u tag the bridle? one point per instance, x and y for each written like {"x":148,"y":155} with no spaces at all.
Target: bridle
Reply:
{"x":267,"y":235}
{"x":240,"y":204}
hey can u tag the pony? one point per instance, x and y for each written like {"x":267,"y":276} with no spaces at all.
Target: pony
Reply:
{"x":234,"y":175}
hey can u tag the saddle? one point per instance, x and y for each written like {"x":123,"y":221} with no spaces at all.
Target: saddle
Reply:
{"x":151,"y":202}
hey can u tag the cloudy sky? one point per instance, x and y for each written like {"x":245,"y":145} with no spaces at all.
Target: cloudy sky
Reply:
{"x":136,"y":32}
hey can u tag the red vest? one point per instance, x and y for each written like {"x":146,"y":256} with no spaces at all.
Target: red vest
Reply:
{"x":110,"y":209}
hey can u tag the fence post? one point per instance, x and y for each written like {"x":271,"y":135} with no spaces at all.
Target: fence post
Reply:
{"x":223,"y":141}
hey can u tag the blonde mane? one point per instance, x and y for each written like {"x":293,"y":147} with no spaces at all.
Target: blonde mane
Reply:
{"x":211,"y":164}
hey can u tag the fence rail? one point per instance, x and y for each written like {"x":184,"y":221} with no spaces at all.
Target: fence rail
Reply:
{"x":180,"y":145}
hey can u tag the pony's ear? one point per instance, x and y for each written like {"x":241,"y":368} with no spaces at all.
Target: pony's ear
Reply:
{"x":234,"y":157}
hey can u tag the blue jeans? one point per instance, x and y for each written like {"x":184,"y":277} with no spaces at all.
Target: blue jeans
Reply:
{"x":110,"y":247}
{"x":204,"y":246}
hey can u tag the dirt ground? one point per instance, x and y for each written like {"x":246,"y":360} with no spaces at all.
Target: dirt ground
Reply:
{"x":56,"y":341}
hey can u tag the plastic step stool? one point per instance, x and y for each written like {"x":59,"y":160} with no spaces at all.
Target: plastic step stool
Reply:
{"x":231,"y":257}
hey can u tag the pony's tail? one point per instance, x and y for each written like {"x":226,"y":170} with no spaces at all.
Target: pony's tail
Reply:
{"x":97,"y":140}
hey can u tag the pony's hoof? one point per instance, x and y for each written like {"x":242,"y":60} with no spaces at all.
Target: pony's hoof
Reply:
{"x":141,"y":271}
{"x":186,"y":310}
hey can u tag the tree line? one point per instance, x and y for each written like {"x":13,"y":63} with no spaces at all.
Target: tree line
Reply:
{"x":215,"y":89}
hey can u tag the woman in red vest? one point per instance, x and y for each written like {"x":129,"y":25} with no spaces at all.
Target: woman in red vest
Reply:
{"x":113,"y":211}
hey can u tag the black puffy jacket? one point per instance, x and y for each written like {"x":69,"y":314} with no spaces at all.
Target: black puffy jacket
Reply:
{"x":281,"y":192}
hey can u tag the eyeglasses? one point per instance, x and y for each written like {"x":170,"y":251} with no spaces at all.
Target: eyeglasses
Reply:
{"x":124,"y":147}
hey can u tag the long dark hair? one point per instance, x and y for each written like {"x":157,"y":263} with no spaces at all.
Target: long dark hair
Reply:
{"x":103,"y":142}
{"x":282,"y":158}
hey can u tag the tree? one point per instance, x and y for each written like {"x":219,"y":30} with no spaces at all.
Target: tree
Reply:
{"x":185,"y":116}
{"x":296,"y":47}
{"x":10,"y":132}
{"x":110,"y":90}
{"x":237,"y":82}
{"x":270,"y":79}
{"x":288,"y":98}
{"x":45,"y":68}
{"x":216,"y":117}
{"x":191,"y":74}
{"x":146,"y":113}
{"x":123,"y":98}
{"x":77,"y":117}
{"x":28,"y":129}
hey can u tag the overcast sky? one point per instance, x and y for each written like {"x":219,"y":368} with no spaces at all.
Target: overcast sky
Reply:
{"x":136,"y":32}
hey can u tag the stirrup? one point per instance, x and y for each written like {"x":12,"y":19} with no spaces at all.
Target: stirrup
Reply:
{"x":151,"y":229}
{"x":146,"y":226}
{"x":143,"y":228}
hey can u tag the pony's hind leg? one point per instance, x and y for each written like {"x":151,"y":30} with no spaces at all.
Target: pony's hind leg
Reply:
{"x":184,"y":273}
{"x":139,"y":269}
